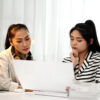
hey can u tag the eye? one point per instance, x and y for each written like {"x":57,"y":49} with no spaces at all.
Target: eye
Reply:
{"x":19,"y":41}
{"x":71,"y":39}
{"x":79,"y":40}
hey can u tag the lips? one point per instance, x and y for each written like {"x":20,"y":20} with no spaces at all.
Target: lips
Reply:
{"x":74,"y":48}
{"x":26,"y":49}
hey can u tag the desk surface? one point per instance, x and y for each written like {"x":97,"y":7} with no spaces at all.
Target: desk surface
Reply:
{"x":32,"y":96}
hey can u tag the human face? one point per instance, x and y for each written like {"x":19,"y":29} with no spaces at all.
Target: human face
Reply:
{"x":78,"y":43}
{"x":21,"y":42}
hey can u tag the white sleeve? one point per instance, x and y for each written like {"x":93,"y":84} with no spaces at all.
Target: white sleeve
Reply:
{"x":6,"y":82}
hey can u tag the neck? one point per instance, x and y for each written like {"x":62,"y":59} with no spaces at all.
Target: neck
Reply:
{"x":22,"y":55}
{"x":82,"y":55}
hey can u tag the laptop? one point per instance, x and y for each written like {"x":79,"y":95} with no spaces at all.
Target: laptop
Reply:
{"x":44,"y":76}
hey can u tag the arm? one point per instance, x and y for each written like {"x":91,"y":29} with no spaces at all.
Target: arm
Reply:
{"x":97,"y":80}
{"x":6,"y":82}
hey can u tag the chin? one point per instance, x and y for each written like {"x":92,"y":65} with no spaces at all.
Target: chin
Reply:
{"x":25,"y":52}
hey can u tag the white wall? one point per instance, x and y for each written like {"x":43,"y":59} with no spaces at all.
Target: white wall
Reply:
{"x":49,"y":22}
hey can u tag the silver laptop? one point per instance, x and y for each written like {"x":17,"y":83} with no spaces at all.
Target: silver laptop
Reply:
{"x":50,"y":76}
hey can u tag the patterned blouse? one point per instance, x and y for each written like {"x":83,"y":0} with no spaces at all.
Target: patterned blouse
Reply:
{"x":90,"y":69}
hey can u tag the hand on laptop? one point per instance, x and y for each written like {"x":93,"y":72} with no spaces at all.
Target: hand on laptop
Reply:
{"x":68,"y":90}
{"x":29,"y":90}
{"x":20,"y":87}
{"x":26,"y":90}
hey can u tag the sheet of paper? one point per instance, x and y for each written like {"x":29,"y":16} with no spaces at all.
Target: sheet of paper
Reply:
{"x":44,"y":75}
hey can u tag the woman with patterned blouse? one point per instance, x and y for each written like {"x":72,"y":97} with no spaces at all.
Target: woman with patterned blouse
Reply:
{"x":85,"y":54}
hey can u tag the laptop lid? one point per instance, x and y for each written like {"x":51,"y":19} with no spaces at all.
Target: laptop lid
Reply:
{"x":36,"y":75}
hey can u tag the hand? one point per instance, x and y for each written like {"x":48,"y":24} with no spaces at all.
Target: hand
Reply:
{"x":74,"y":57}
{"x":20,"y":87}
{"x":68,"y":89}
{"x":26,"y":90}
{"x":30,"y":90}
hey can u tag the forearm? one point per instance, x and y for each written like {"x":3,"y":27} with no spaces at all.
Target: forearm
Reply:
{"x":7,"y":84}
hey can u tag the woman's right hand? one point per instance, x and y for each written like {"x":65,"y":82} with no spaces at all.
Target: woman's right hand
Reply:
{"x":74,"y":57}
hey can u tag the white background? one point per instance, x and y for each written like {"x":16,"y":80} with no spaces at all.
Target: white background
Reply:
{"x":49,"y":23}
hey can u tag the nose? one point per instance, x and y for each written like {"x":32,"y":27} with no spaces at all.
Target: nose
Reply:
{"x":74,"y":43}
{"x":24,"y":43}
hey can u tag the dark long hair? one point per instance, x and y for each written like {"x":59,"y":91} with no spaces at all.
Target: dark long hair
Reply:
{"x":88,"y":32}
{"x":11,"y":33}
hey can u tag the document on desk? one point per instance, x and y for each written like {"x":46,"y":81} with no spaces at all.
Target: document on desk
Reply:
{"x":44,"y":76}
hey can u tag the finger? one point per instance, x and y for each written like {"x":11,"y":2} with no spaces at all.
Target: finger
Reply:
{"x":67,"y":89}
{"x":28,"y":90}
{"x":75,"y":53}
{"x":71,"y":55}
{"x":20,"y":87}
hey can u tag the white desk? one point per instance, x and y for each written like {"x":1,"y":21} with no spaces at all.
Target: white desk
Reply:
{"x":31,"y":96}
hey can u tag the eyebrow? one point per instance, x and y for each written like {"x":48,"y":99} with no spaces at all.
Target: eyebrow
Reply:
{"x":21,"y":38}
{"x":77,"y":37}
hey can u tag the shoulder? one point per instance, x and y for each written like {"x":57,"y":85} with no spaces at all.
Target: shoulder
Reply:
{"x":67,"y":59}
{"x":6,"y":53}
{"x":96,"y":55}
{"x":93,"y":58}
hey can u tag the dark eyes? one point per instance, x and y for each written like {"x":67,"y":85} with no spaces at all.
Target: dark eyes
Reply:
{"x":71,"y":39}
{"x":19,"y":41}
{"x":25,"y":40}
{"x":77,"y":40}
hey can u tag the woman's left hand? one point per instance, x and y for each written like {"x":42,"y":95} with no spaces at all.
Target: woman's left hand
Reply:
{"x":74,"y":57}
{"x":30,"y":90}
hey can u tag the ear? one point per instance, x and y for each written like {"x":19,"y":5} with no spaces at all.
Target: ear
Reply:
{"x":10,"y":42}
{"x":91,"y":41}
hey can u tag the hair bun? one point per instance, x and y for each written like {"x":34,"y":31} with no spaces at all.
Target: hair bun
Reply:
{"x":90,"y":23}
